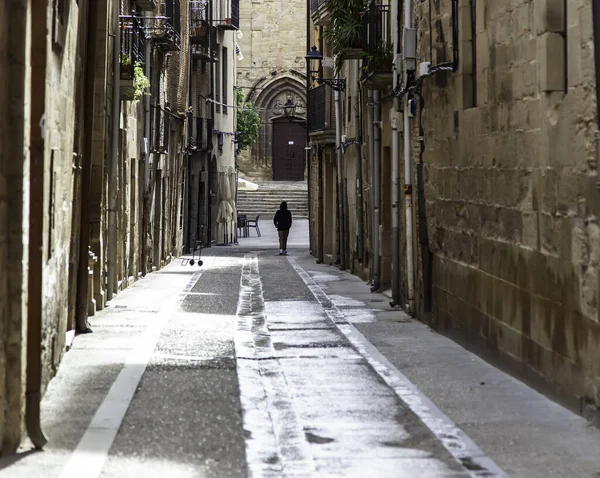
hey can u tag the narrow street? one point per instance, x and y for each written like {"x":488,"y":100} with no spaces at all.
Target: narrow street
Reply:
{"x":263,"y":365}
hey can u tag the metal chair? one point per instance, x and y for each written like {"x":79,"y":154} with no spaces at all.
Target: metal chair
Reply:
{"x":242,"y":220}
{"x":253,"y":223}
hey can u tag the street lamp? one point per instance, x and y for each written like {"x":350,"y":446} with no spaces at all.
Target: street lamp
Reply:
{"x":289,"y":108}
{"x":314,"y":55}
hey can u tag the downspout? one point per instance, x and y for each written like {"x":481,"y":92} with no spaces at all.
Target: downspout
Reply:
{"x":33,"y":373}
{"x":409,"y":58}
{"x":340,"y":175}
{"x":371,"y":174}
{"x":86,"y":175}
{"x":596,"y":23}
{"x":114,"y":163}
{"x":148,"y":147}
{"x":376,"y":185}
{"x":308,"y":151}
{"x":395,"y":185}
{"x":359,"y":178}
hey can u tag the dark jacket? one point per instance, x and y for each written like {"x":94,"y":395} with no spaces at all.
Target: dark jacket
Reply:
{"x":283,"y":219}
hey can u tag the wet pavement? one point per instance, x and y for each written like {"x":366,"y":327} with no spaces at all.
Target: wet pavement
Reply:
{"x":263,"y":365}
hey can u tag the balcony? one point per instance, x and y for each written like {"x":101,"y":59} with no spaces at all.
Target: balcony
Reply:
{"x":166,"y":27}
{"x":319,"y":13}
{"x":203,"y":36}
{"x":321,"y":112}
{"x":202,"y":137}
{"x":146,"y":5}
{"x":230,"y":20}
{"x":133,"y":45}
{"x":378,"y":57}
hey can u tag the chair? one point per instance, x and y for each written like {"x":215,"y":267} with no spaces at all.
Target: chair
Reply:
{"x":253,"y":223}
{"x":242,"y":219}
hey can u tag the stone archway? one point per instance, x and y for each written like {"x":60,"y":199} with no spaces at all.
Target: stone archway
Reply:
{"x":258,"y":163}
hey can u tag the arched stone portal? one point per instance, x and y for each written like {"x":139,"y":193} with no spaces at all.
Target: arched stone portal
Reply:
{"x":269,"y":97}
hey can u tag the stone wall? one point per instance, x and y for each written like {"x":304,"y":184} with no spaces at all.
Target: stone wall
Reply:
{"x":510,"y":187}
{"x":274,"y":46}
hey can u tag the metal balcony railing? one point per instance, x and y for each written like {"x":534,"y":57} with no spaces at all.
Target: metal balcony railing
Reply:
{"x":166,"y":28}
{"x":321,"y":112}
{"x":203,"y":36}
{"x":133,"y":44}
{"x":230,"y":19}
{"x":202,"y":140}
{"x":377,"y":30}
{"x":316,"y":4}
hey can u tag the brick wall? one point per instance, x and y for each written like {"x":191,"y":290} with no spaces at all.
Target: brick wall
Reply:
{"x":510,"y":186}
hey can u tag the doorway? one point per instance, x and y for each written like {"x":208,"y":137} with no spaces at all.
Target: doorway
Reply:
{"x":288,"y":151}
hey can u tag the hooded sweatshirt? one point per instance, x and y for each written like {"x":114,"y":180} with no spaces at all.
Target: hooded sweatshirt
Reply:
{"x":283,"y":218}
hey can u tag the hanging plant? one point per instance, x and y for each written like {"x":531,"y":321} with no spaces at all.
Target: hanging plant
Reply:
{"x":140,"y":83}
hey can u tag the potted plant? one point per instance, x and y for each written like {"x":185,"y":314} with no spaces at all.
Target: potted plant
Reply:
{"x":345,"y":34}
{"x":126,"y":67}
{"x":378,"y":67}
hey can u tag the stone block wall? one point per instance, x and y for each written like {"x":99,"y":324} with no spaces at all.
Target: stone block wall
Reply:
{"x":510,"y":186}
{"x":15,"y":35}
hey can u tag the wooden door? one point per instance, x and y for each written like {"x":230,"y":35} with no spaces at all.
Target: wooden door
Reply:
{"x":288,"y":151}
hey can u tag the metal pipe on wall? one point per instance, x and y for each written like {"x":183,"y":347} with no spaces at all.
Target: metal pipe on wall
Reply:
{"x":359,"y":177}
{"x":395,"y":186}
{"x":410,"y":280}
{"x":376,"y":185}
{"x":114,"y":163}
{"x":340,"y":177}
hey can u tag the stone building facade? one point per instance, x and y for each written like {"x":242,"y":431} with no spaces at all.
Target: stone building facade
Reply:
{"x":273,"y":45}
{"x":93,"y":169}
{"x":502,"y":188}
{"x":512,"y":203}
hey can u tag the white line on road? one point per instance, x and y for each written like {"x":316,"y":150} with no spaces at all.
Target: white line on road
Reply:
{"x":277,"y":445}
{"x":457,"y":442}
{"x":88,"y":458}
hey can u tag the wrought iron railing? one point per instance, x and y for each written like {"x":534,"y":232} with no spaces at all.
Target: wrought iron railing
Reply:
{"x":133,"y":39}
{"x":316,"y":4}
{"x":166,"y":28}
{"x":202,"y":140}
{"x":321,"y":112}
{"x":203,"y":36}
{"x":377,"y":30}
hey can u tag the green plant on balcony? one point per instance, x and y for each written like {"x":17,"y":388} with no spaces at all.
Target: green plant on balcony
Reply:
{"x":140,"y":82}
{"x":381,"y":61}
{"x":346,"y":29}
{"x":126,"y":65}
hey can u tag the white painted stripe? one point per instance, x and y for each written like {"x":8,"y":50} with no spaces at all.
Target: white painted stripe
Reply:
{"x":91,"y":453}
{"x":456,"y":441}
{"x":261,"y":381}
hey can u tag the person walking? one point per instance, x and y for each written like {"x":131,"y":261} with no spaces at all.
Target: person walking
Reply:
{"x":283,"y":223}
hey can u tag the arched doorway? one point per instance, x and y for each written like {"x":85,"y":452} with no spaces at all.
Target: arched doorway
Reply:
{"x":288,"y":154}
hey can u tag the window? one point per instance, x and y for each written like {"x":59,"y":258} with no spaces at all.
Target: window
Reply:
{"x":225,"y":79}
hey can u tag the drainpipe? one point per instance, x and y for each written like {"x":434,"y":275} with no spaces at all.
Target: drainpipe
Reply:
{"x":376,"y":185}
{"x":409,"y":58}
{"x":359,"y":178}
{"x":148,"y":146}
{"x":114,"y":163}
{"x":340,"y":175}
{"x":395,"y":180}
{"x":86,"y":174}
{"x":596,"y":23}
